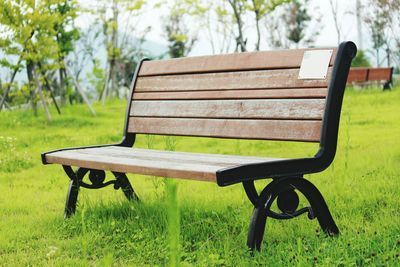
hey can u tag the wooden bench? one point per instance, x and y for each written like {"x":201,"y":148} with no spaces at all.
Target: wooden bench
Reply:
{"x":364,"y":76}
{"x":256,"y":95}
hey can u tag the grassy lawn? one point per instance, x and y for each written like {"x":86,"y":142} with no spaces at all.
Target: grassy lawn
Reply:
{"x":361,"y":188}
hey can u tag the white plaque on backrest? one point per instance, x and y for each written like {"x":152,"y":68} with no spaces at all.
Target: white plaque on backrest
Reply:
{"x":315,"y":64}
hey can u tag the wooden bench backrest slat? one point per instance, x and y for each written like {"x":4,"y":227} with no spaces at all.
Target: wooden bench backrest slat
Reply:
{"x":358,"y":75}
{"x":380,"y":74}
{"x":367,"y":74}
{"x":230,"y":62}
{"x":255,"y":95}
{"x":295,"y":130}
{"x":262,"y":79}
{"x":234,"y":109}
{"x":234,"y":94}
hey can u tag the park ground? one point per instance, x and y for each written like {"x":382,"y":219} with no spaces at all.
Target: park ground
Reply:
{"x":361,"y":188}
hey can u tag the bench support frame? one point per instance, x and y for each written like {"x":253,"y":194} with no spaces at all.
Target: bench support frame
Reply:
{"x":97,"y":178}
{"x":283,"y":191}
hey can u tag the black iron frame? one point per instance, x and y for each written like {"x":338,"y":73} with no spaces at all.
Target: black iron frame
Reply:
{"x":287,"y":175}
{"x":389,"y":83}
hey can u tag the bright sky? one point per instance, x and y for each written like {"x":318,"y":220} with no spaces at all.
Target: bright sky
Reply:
{"x":327,"y":36}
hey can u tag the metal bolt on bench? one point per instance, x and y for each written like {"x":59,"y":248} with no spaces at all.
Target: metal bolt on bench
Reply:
{"x":287,"y":95}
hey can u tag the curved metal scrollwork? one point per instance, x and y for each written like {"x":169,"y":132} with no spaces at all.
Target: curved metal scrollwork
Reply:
{"x":97,"y":178}
{"x":284,"y":191}
{"x":287,"y":201}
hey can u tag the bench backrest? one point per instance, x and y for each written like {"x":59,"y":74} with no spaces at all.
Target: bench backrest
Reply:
{"x":255,"y":95}
{"x":365,"y":74}
{"x":358,"y":75}
{"x":380,"y":74}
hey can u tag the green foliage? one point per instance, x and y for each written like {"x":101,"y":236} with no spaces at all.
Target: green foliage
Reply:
{"x":28,"y":30}
{"x":39,"y":34}
{"x":297,"y":21}
{"x":360,"y":60}
{"x":96,"y":78}
{"x":262,"y":7}
{"x":20,"y":95}
{"x":66,"y":32}
{"x":180,"y":39}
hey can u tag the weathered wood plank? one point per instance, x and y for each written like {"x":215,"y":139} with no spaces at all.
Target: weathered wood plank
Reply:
{"x":186,"y":157}
{"x":262,"y":79}
{"x":194,"y":166}
{"x":229,"y":62}
{"x":139,"y":166}
{"x":234,"y":94}
{"x":294,"y":130}
{"x":250,"y":109}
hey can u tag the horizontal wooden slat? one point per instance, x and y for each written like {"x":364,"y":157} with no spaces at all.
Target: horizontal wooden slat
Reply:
{"x":229,"y":128}
{"x":234,"y":94}
{"x":194,"y":166}
{"x":186,"y":157}
{"x":262,"y":79}
{"x":261,"y":109}
{"x":358,"y":75}
{"x":229,"y":62}
{"x":379,"y":74}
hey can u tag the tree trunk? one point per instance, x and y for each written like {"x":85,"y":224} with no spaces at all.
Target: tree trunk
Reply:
{"x":240,"y":42}
{"x":31,"y":82}
{"x":388,"y":56}
{"x":258,"y":33}
{"x":104,"y":92}
{"x":16,"y":69}
{"x":3,"y":101}
{"x":82,"y":93}
{"x":377,"y":58}
{"x":114,"y":43}
{"x":40,"y":92}
{"x":63,"y":92}
{"x":257,"y":16}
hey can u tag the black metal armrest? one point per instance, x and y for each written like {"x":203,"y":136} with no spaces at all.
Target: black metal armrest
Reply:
{"x":127,"y":141}
{"x":271,"y":169}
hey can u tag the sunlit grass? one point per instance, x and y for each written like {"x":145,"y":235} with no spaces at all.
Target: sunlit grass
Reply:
{"x":361,"y":188}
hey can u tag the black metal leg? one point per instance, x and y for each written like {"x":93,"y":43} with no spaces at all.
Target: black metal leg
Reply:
{"x":72,"y":198}
{"x":318,"y":205}
{"x":284,"y":190}
{"x":257,"y":228}
{"x":97,"y":179}
{"x":73,"y":190}
{"x":126,"y":186}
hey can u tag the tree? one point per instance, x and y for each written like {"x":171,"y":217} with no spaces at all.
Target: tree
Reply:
{"x":298,"y":22}
{"x":27,"y":33}
{"x":66,"y":35}
{"x":291,"y":24}
{"x":180,"y":39}
{"x":215,"y":22}
{"x":334,"y":4}
{"x":239,"y":9}
{"x":261,"y":8}
{"x":360,"y":60}
{"x":383,"y":23}
{"x":117,"y":28}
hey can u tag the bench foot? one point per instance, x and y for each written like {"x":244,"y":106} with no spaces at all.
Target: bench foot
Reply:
{"x":126,"y":186}
{"x":97,"y":179}
{"x":283,"y":190}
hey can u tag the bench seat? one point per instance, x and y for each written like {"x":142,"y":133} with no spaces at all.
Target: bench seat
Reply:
{"x":193,"y":166}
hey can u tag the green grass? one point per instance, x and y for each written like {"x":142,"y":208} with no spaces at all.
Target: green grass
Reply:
{"x":361,"y":188}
